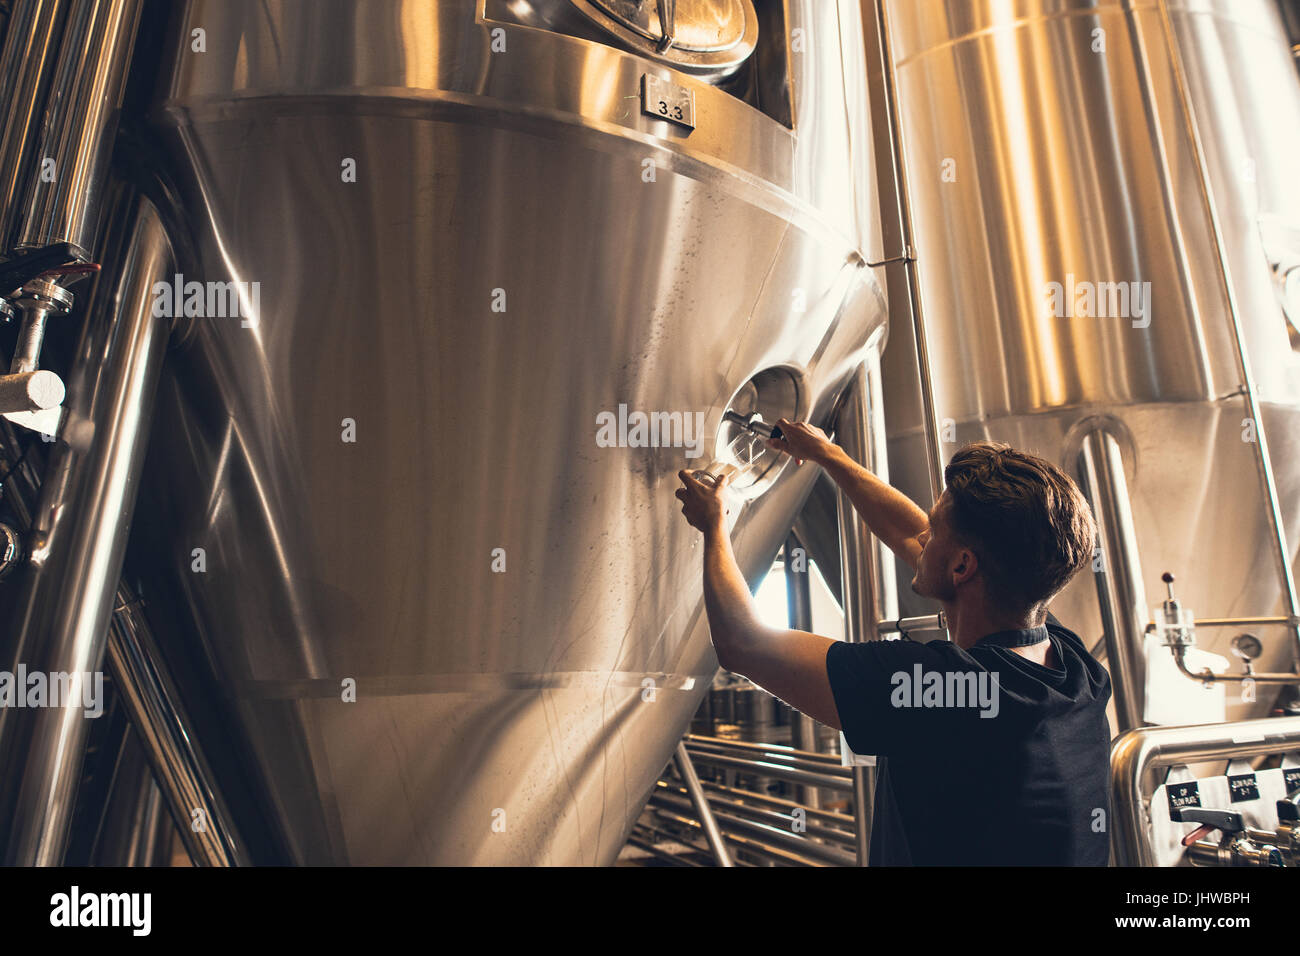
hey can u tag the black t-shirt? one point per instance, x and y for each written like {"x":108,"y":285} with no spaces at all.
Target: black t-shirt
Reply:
{"x":988,"y":758}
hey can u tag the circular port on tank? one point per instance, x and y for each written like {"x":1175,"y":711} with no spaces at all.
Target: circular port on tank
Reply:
{"x":765,"y":399}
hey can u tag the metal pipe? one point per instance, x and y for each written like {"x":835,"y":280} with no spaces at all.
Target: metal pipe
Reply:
{"x":745,"y":844}
{"x":129,"y":830}
{"x":830,"y":817}
{"x":79,"y":529}
{"x":774,"y":818}
{"x":1205,"y":853}
{"x":1263,"y":460}
{"x":790,"y":841}
{"x":771,"y":750}
{"x":166,"y":733}
{"x":1208,"y":676}
{"x":857,"y":559}
{"x":907,"y":625}
{"x":26,"y":71}
{"x":1121,"y":596}
{"x":80,"y":125}
{"x":701,"y":804}
{"x":1137,"y":754}
{"x":655,"y":851}
{"x":815,"y":763}
{"x":761,"y":761}
{"x":842,"y":781}
{"x":798,"y":599}
{"x":36,"y":301}
{"x":147,"y":832}
{"x":1244,"y":621}
{"x":895,"y":211}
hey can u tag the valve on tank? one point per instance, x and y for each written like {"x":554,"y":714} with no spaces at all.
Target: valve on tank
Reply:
{"x":1238,"y":846}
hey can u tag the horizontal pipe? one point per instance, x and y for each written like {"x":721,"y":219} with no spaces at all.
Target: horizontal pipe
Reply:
{"x":661,"y":854}
{"x":771,"y":835}
{"x":1208,"y":676}
{"x":833,"y":817}
{"x":771,"y":817}
{"x":1245,"y":621}
{"x":774,"y":750}
{"x":770,"y":853}
{"x":775,"y":771}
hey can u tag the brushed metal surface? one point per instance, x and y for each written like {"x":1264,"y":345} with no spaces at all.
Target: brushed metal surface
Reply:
{"x":517,"y":698}
{"x":1067,"y":161}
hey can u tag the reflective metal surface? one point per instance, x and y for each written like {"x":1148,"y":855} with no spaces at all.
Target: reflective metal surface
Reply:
{"x":76,"y":140}
{"x":520,"y":250}
{"x":78,"y":531}
{"x":863,"y":603}
{"x":1138,"y":755}
{"x":1046,"y":142}
{"x":1121,"y":597}
{"x":31,"y":47}
{"x":166,"y":735}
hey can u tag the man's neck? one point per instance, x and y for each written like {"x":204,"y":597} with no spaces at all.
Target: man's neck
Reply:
{"x":971,"y":619}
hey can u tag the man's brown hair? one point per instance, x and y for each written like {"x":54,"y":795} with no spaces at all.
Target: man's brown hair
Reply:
{"x":1024,"y":518}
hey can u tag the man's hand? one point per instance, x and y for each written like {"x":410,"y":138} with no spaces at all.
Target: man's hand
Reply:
{"x":802,"y":442}
{"x":703,"y":504}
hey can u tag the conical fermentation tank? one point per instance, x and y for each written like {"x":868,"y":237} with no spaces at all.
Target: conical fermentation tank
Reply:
{"x":426,"y":607}
{"x":1107,"y":219}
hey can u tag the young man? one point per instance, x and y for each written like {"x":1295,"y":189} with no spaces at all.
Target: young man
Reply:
{"x":996,"y":742}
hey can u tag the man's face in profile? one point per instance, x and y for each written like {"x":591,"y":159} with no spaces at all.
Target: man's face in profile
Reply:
{"x":938,"y":550}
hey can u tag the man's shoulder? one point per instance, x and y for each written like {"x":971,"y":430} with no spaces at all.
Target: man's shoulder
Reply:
{"x":1057,"y":629}
{"x":1096,"y":673}
{"x":894,"y":651}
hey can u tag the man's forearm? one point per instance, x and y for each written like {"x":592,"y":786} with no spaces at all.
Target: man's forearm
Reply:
{"x":733,"y":620}
{"x":892,"y":516}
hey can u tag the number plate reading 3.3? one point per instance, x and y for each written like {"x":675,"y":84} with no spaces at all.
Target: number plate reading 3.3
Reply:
{"x":667,"y":101}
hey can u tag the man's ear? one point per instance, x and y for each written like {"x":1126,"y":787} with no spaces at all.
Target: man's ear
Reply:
{"x":965,"y":567}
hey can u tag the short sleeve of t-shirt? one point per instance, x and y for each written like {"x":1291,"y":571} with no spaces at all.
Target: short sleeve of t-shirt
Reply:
{"x":873,"y":684}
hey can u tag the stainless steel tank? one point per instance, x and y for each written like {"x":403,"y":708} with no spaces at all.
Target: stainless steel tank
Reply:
{"x":1089,"y":143}
{"x":462,"y":236}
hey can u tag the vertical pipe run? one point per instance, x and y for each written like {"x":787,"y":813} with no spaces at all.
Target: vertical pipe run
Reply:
{"x":858,"y":559}
{"x":79,"y":530}
{"x":878,"y":463}
{"x":798,"y":597}
{"x":80,"y":125}
{"x":26,"y":68}
{"x":702,"y":808}
{"x":1120,"y":591}
{"x":896,"y":216}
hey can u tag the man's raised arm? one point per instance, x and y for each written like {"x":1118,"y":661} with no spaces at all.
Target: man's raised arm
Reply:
{"x":892,"y":516}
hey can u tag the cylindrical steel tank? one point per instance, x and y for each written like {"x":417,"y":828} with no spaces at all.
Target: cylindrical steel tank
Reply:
{"x":1070,"y":274}
{"x":422,"y":614}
